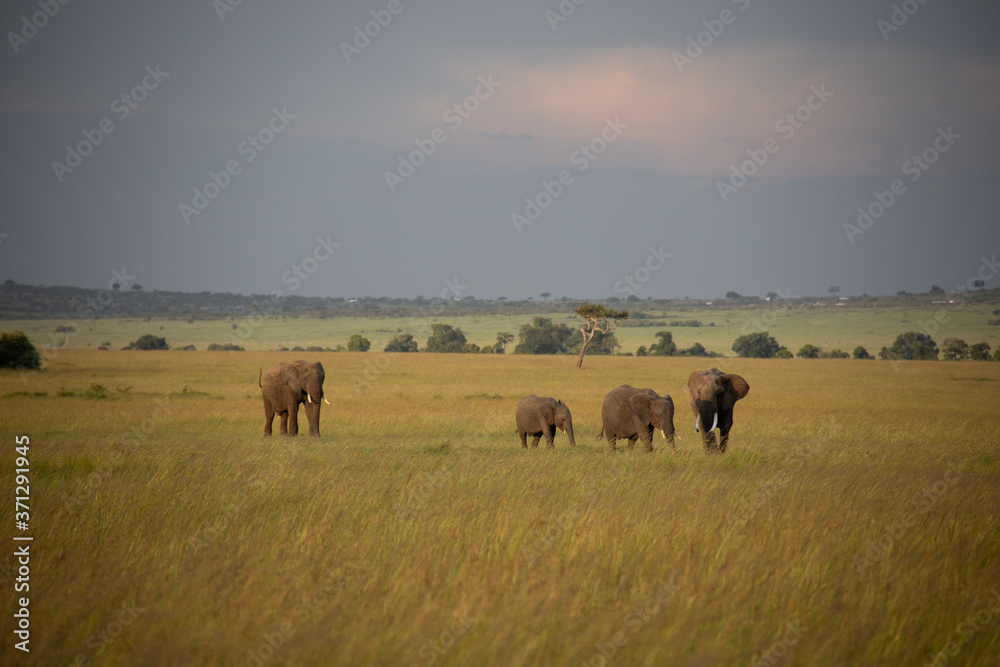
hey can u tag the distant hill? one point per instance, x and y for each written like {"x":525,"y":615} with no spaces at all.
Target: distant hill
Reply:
{"x":41,"y":302}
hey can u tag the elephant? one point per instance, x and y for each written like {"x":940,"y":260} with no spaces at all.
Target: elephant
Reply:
{"x":541,"y":415}
{"x":713,"y":395}
{"x":633,"y":413}
{"x":286,"y":385}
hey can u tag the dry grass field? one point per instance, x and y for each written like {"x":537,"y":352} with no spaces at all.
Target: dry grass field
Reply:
{"x":855,"y":519}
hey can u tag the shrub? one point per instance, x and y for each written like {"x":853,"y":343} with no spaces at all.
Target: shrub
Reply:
{"x":980,"y":352}
{"x":861,"y":353}
{"x":808,"y":351}
{"x":445,"y":338}
{"x":954,"y":349}
{"x":226,"y":347}
{"x":696,"y":350}
{"x":836,"y":354}
{"x":911,"y":346}
{"x":16,"y":351}
{"x":783,"y":353}
{"x":758,"y":345}
{"x":402,"y":343}
{"x":641,"y":352}
{"x":149,"y":342}
{"x":543,"y":336}
{"x":358,"y":343}
{"x":664,"y":345}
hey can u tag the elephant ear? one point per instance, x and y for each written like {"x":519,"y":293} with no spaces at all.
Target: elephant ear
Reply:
{"x":736,"y":388}
{"x":641,"y":405}
{"x":290,"y":378}
{"x":322,"y":373}
{"x":548,"y":412}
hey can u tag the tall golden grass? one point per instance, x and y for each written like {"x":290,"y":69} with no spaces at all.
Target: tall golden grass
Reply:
{"x":854,"y":519}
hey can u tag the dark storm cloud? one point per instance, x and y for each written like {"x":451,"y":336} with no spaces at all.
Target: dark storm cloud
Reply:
{"x":411,"y":133}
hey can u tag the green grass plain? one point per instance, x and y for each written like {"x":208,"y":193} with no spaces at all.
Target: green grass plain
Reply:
{"x":854,"y":519}
{"x":828,"y":326}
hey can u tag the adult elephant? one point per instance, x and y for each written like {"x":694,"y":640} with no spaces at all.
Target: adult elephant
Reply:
{"x":284,"y":387}
{"x":632,"y":414}
{"x":713,"y":395}
{"x":542,"y":415}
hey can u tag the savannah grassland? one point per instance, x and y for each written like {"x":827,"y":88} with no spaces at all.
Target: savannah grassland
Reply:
{"x":855,"y":518}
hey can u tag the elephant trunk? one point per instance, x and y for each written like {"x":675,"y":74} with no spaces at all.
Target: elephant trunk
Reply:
{"x":569,"y":434}
{"x":700,"y":422}
{"x":314,"y":396}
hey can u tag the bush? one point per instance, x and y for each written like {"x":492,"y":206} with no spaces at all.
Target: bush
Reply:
{"x":758,"y":345}
{"x":149,"y":342}
{"x":836,"y":354}
{"x":16,"y":351}
{"x":696,"y":350}
{"x":664,"y":345}
{"x":402,"y":343}
{"x":358,"y":343}
{"x":808,"y":351}
{"x":226,"y":347}
{"x":954,"y":349}
{"x":783,"y":353}
{"x":861,"y":353}
{"x":543,"y":336}
{"x":445,"y":338}
{"x":911,"y":346}
{"x":980,"y":352}
{"x":641,"y":352}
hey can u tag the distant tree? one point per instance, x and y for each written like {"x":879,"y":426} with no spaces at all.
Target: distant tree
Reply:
{"x":471,"y":348}
{"x":979,"y":351}
{"x":733,"y":295}
{"x":545,"y":296}
{"x":16,"y":351}
{"x":402,"y":343}
{"x":936,"y":289}
{"x":834,"y":290}
{"x":597,"y":318}
{"x":664,"y":345}
{"x":978,"y":283}
{"x":771,"y":295}
{"x":954,"y":349}
{"x":759,"y":345}
{"x":641,"y":352}
{"x":503,"y":338}
{"x":543,"y":336}
{"x":996,"y":354}
{"x":808,"y":351}
{"x":632,"y":298}
{"x":223,"y":347}
{"x":783,"y":353}
{"x":358,"y":343}
{"x":696,"y":350}
{"x":445,"y":338}
{"x":501,"y":298}
{"x":901,"y":292}
{"x":149,"y":342}
{"x":861,"y":353}
{"x":602,"y":343}
{"x":137,"y":287}
{"x":911,"y":346}
{"x":835,"y":354}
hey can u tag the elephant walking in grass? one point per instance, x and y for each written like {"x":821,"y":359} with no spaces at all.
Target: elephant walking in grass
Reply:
{"x":632,"y":414}
{"x":541,"y":415}
{"x":713,"y":395}
{"x":284,"y":387}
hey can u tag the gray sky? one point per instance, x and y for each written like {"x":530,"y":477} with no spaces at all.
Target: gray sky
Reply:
{"x":736,"y":136}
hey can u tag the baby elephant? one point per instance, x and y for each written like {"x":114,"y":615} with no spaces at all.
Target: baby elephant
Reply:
{"x":538,"y":416}
{"x":632,"y":414}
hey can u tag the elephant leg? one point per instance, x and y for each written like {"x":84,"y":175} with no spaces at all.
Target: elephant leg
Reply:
{"x":631,"y":442}
{"x":550,"y":437}
{"x":725,"y":425}
{"x":611,"y":442}
{"x":293,"y":421}
{"x":535,"y":439}
{"x":268,"y":416}
{"x":284,"y":423}
{"x":524,"y":438}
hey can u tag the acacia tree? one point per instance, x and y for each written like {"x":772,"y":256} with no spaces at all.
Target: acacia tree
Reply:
{"x":597,"y":317}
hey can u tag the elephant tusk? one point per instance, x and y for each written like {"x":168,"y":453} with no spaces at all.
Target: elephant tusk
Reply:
{"x":715,"y":421}
{"x":309,"y":397}
{"x":663,"y":433}
{"x":697,"y":420}
{"x":326,"y":401}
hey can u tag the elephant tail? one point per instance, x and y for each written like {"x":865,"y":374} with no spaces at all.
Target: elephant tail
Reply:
{"x":601,"y":434}
{"x":260,"y":373}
